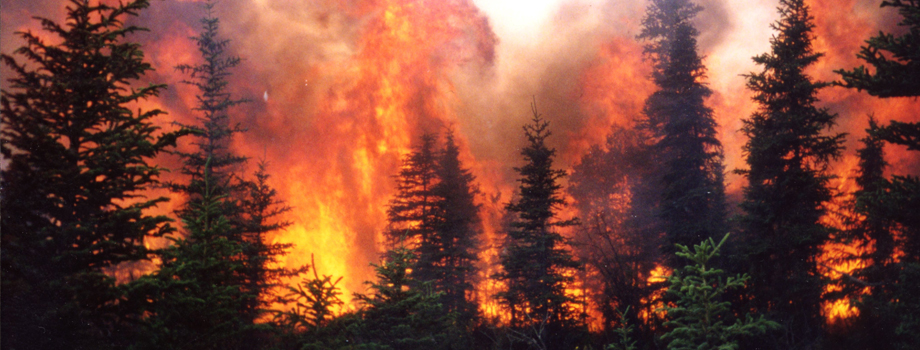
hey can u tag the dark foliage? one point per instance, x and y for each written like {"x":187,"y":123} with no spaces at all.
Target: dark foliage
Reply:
{"x":682,"y":128}
{"x":537,"y":265}
{"x":787,"y":156}
{"x":73,"y":201}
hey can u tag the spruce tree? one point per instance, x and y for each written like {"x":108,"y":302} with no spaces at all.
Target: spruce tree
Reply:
{"x":448,"y":259}
{"x":73,"y":191}
{"x":788,"y":151}
{"x":193,"y":301}
{"x":536,"y":263}
{"x":262,"y":276}
{"x":895,"y":59}
{"x":682,"y":128}
{"x":889,"y":205}
{"x":411,"y":212}
{"x":700,"y":319}
{"x":400,"y":313}
{"x":251,"y":207}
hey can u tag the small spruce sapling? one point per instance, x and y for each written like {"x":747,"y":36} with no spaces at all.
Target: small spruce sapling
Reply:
{"x":700,"y":320}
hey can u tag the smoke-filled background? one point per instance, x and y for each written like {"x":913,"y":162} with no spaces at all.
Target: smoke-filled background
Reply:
{"x":340,"y":90}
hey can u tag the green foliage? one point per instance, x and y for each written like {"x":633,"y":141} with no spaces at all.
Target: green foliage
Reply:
{"x":788,"y":152}
{"x":313,"y":302}
{"x":73,"y":190}
{"x":895,"y":59}
{"x":193,"y":301}
{"x":536,"y":263}
{"x":623,"y":332}
{"x":701,"y":319}
{"x":401,"y":313}
{"x":681,"y":128}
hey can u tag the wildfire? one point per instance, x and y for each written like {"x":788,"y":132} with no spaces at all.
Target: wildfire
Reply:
{"x":352,"y":85}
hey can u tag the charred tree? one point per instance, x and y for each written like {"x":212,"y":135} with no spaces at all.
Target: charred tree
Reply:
{"x":611,"y":192}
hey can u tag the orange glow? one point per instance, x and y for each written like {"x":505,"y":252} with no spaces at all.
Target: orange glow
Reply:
{"x":349,"y":87}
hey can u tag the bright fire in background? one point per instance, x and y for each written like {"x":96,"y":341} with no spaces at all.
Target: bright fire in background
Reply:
{"x":341,"y":90}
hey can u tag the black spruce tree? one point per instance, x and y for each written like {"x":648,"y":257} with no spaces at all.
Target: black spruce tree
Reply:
{"x":537,"y":265}
{"x":889,"y":205}
{"x":787,"y":155}
{"x":682,"y":128}
{"x":73,"y":191}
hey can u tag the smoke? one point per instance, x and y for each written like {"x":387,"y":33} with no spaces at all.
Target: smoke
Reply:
{"x":350,"y":86}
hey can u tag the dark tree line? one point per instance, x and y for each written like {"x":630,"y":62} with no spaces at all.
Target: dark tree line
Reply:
{"x":651,"y":198}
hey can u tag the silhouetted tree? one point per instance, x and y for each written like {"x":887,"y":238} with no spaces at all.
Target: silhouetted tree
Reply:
{"x":787,"y":156}
{"x":194,"y":300}
{"x":682,"y":128}
{"x":73,"y":191}
{"x":411,"y":213}
{"x":536,"y":263}
{"x":448,"y":258}
{"x":611,"y":191}
{"x":889,"y":205}
{"x":401,"y":313}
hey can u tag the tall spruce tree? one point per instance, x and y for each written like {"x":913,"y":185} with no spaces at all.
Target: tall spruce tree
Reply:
{"x":411,"y":212}
{"x":73,"y":191}
{"x":448,"y":258}
{"x":682,"y":128}
{"x":889,"y":205}
{"x":536,"y":263}
{"x":193,"y":301}
{"x":788,"y":151}
{"x":249,"y":208}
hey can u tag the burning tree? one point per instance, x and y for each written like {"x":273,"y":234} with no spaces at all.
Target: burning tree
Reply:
{"x":73,"y":203}
{"x":787,"y":156}
{"x":681,"y":128}
{"x":537,"y":266}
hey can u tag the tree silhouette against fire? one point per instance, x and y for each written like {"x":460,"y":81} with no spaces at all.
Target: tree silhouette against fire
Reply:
{"x":79,"y":165}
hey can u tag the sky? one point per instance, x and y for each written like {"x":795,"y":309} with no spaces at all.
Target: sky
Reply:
{"x":341,"y":89}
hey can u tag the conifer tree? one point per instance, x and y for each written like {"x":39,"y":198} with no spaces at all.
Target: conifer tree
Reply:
{"x":401,"y":313}
{"x":262,"y":277}
{"x":889,"y":205}
{"x":787,"y":155}
{"x":682,"y":128}
{"x":194,"y":299}
{"x":411,"y":212}
{"x":251,"y":207}
{"x":73,"y":192}
{"x":448,"y":258}
{"x":895,"y":59}
{"x":700,"y":319}
{"x":536,"y":263}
